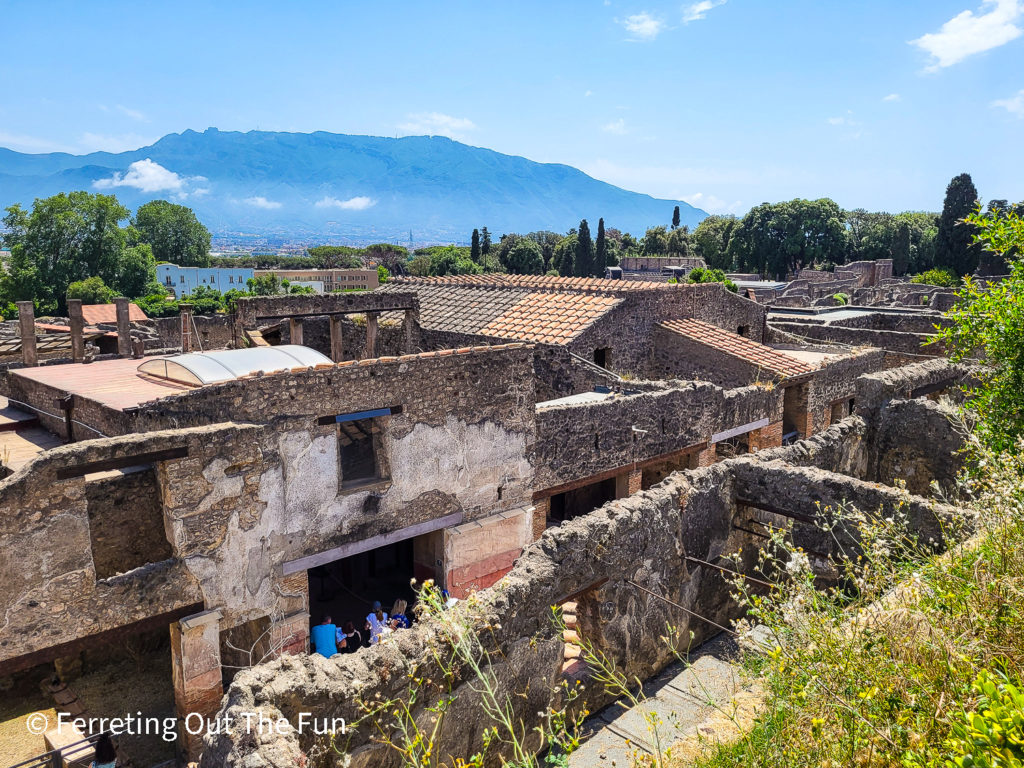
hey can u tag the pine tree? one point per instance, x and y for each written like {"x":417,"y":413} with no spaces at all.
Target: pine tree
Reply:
{"x":901,"y":248}
{"x":474,"y":248}
{"x":485,"y":242}
{"x":601,"y":257}
{"x":675,"y":217}
{"x":583,"y":262}
{"x":953,"y":247}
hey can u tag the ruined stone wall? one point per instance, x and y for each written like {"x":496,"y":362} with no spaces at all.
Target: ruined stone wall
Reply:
{"x":214,"y":332}
{"x":627,"y":330}
{"x":251,"y":309}
{"x":874,"y":391}
{"x":677,"y":356}
{"x":560,"y":373}
{"x":579,"y":441}
{"x":835,"y":383}
{"x":917,"y":442}
{"x":893,"y":341}
{"x":604,"y":561}
{"x":390,"y":342}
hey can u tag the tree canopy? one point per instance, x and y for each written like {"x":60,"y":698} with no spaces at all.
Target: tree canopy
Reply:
{"x":954,"y":244}
{"x":173,"y":233}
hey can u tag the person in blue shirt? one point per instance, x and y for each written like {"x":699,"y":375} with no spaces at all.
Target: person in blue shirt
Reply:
{"x":323,"y":637}
{"x":398,"y":618}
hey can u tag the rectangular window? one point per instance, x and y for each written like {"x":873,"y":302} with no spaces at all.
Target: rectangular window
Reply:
{"x":359,"y":446}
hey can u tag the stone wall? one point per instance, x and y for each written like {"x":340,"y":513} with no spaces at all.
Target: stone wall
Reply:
{"x":624,"y":564}
{"x":126,"y":524}
{"x":893,"y":341}
{"x":678,"y":356}
{"x":835,"y":383}
{"x":918,"y":442}
{"x":559,"y":373}
{"x":580,"y":441}
{"x":214,"y":332}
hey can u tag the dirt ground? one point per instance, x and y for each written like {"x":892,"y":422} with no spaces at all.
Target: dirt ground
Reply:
{"x":16,"y":743}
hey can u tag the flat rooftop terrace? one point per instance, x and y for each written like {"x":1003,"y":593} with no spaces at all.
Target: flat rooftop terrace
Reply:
{"x":115,"y":384}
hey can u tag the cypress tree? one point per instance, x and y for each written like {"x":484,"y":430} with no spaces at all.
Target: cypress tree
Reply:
{"x":474,"y":248}
{"x":583,"y":262}
{"x":601,"y":257}
{"x":953,"y":247}
{"x":675,"y":217}
{"x":485,"y":242}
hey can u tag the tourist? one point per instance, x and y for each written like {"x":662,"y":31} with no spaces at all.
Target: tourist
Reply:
{"x":324,"y":637}
{"x":351,"y":640}
{"x":398,"y":618}
{"x":106,"y":755}
{"x":376,"y":623}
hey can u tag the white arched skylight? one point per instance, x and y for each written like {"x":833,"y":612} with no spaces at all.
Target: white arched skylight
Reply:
{"x":198,"y":368}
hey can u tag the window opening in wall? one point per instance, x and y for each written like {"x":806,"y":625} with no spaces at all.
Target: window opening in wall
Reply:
{"x":851,"y":406}
{"x":360,"y":452}
{"x":603,"y":357}
{"x":743,"y":330}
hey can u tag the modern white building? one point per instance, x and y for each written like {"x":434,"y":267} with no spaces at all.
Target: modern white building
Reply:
{"x":184,"y":280}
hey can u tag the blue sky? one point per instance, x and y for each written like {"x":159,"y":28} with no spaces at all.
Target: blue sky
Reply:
{"x":724,"y":103}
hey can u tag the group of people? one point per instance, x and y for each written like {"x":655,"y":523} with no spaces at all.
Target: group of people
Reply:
{"x":328,"y":639}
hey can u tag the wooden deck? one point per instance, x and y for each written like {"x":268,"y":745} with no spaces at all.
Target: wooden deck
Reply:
{"x":21,"y":437}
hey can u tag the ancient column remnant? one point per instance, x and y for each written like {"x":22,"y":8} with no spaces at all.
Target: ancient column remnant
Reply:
{"x":124,"y":332}
{"x":295,"y":330}
{"x":27,"y":326}
{"x":77,"y":323}
{"x":371,"y":335}
{"x":195,"y":668}
{"x":186,"y":327}
{"x":337,"y":347}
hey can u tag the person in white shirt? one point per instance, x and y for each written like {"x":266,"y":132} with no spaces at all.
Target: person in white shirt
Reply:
{"x":376,"y":623}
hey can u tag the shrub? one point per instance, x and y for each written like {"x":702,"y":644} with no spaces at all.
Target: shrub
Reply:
{"x":939,"y":276}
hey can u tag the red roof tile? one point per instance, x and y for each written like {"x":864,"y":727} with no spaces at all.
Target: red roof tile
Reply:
{"x":107,"y":313}
{"x":738,"y":346}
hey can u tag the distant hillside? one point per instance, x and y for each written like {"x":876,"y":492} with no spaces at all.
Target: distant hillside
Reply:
{"x":359,"y":188}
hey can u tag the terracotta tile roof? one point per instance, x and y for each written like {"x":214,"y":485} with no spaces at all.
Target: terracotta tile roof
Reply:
{"x":107,"y":313}
{"x":509,"y":312}
{"x":549,"y":318}
{"x":762,"y":356}
{"x":534,"y":282}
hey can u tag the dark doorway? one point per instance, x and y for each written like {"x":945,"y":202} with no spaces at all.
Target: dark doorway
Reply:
{"x":580,"y":501}
{"x":603,"y":357}
{"x":346,"y":589}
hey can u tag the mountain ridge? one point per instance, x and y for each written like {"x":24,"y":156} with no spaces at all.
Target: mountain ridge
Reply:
{"x":321,"y":184}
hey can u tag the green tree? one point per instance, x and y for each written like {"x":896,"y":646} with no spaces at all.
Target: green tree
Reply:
{"x":989,"y":319}
{"x":655,"y":242}
{"x":450,"y":260}
{"x":601,"y":249}
{"x":136,"y":274}
{"x":485,"y":242}
{"x":524,"y":258}
{"x":330,"y":257}
{"x":710,"y":241}
{"x":678,"y":242}
{"x":174,"y":233}
{"x":901,"y":248}
{"x":675,"y":217}
{"x":382,"y":274}
{"x":391,"y":256}
{"x":265,"y":285}
{"x":702,"y":275}
{"x":777,"y":238}
{"x":92,"y":290}
{"x":66,"y":238}
{"x":583,"y":259}
{"x":474,"y":248}
{"x":547,"y":242}
{"x":954,"y":244}
{"x":565,"y":253}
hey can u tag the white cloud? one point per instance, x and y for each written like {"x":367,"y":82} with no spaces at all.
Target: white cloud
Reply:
{"x":643,"y":27}
{"x":617,"y":127}
{"x":969,"y":33}
{"x":262,"y":202}
{"x":699,"y":10}
{"x":893,"y":97}
{"x":436,"y":124}
{"x":360,"y":203}
{"x":134,"y":114}
{"x":124,"y":142}
{"x":1014,"y":105}
{"x":846,"y":119}
{"x":145,"y":176}
{"x":713,"y":204}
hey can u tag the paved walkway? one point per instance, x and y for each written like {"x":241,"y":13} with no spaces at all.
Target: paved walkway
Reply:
{"x":679,"y":699}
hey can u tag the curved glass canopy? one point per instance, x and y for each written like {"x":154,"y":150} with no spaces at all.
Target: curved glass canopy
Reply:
{"x":198,"y":368}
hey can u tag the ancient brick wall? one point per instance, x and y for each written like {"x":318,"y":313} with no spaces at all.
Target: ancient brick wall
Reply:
{"x":677,"y":356}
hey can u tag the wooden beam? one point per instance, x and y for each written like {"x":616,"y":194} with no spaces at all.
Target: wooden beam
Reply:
{"x":374,"y":542}
{"x":737,"y":431}
{"x":104,"y":465}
